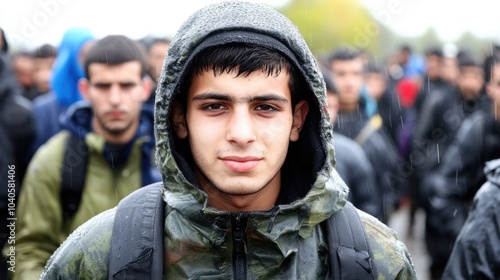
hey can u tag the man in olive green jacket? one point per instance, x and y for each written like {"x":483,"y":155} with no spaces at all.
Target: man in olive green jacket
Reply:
{"x":245,"y":148}
{"x":118,"y":131}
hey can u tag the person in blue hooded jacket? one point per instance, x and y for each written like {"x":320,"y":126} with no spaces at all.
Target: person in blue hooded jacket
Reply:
{"x":66,"y":72}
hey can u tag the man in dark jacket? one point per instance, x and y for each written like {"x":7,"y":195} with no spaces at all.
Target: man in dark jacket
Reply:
{"x":476,"y":252}
{"x":246,"y":153}
{"x":352,"y":164}
{"x":441,"y":117}
{"x":347,"y":72}
{"x":454,"y":184}
{"x":432,"y":81}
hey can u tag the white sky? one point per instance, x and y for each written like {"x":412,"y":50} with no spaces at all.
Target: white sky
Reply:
{"x":34,"y":22}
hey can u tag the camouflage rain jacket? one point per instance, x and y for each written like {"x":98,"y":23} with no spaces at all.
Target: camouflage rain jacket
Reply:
{"x":286,"y":242}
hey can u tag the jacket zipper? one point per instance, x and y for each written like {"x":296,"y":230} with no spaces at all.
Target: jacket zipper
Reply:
{"x":239,"y":223}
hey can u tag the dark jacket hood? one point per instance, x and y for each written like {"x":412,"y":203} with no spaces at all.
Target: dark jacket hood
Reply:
{"x":309,"y":166}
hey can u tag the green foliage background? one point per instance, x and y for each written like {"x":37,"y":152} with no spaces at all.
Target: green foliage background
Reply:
{"x":329,"y":24}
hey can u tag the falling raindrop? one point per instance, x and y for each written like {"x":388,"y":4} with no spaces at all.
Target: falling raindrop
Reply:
{"x":437,"y":148}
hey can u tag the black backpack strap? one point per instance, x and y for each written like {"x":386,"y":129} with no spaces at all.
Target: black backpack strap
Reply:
{"x":74,"y":171}
{"x":137,"y":240}
{"x":350,"y":253}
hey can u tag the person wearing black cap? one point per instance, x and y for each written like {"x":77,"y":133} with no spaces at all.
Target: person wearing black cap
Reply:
{"x":245,"y":148}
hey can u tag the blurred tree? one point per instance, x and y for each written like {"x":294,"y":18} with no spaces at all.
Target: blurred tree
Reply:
{"x":327,"y":24}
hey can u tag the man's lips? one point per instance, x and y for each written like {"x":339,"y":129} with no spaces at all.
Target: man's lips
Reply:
{"x":116,"y":114}
{"x":241,"y":164}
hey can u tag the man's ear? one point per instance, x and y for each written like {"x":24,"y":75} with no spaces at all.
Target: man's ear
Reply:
{"x":146,"y":87}
{"x":178,"y":119}
{"x":83,"y":86}
{"x":299,"y":117}
{"x":488,"y":88}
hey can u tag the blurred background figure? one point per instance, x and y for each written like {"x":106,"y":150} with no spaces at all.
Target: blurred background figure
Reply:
{"x":454,"y":184}
{"x":23,"y":66}
{"x":441,"y":117}
{"x":44,"y":57}
{"x":353,"y":121}
{"x":475,"y":253}
{"x":66,"y":72}
{"x":352,"y":164}
{"x":156,"y":50}
{"x":16,"y":134}
{"x":4,"y":46}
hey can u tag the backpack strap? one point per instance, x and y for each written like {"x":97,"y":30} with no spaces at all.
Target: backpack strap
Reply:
{"x":373,"y":124}
{"x":137,"y":240}
{"x":74,"y":171}
{"x":350,"y":254}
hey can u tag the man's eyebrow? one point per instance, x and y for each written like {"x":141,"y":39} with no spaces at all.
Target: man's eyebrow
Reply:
{"x":225,"y":97}
{"x":212,"y":95}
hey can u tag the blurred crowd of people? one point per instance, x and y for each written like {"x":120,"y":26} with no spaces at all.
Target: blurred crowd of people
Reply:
{"x":428,"y":126}
{"x":414,"y":130}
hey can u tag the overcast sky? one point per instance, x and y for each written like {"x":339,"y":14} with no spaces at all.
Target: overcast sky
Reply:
{"x":34,"y":22}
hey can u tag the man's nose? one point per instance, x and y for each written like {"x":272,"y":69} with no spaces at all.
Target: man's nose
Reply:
{"x":115,"y":94}
{"x":241,"y":127}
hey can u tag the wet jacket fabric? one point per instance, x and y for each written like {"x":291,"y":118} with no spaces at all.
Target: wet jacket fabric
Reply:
{"x":286,"y":241}
{"x":476,"y":253}
{"x":41,"y":226}
{"x":355,"y":169}
{"x":455,"y":183}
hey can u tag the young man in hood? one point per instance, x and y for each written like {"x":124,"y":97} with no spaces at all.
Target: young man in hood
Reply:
{"x":245,"y":147}
{"x":117,"y":131}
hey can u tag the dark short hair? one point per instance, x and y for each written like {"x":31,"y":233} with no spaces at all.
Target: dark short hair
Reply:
{"x":466,"y":59}
{"x":343,"y":54}
{"x":45,"y":51}
{"x":434,"y":51}
{"x":406,"y":48}
{"x":245,"y":59}
{"x":115,"y":50}
{"x":373,"y":68}
{"x":156,"y":41}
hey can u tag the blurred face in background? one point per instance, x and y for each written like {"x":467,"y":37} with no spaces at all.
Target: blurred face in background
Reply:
{"x":493,"y":86}
{"x":24,"y":68}
{"x":116,"y":93}
{"x":433,"y":67}
{"x":348,"y":77}
{"x":470,"y":81}
{"x":449,"y":69}
{"x":332,"y":100}
{"x":155,"y":57}
{"x":376,"y":84}
{"x":42,"y":73}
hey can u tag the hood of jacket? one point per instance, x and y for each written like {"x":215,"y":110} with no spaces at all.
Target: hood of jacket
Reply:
{"x":309,"y":181}
{"x":67,"y":69}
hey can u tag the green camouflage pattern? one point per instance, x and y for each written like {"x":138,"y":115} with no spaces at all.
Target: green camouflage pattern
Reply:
{"x":285,"y":242}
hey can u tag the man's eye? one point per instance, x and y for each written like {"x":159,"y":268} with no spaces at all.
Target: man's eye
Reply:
{"x":102,"y":86}
{"x":127,"y":86}
{"x":214,"y":107}
{"x":266,"y":108}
